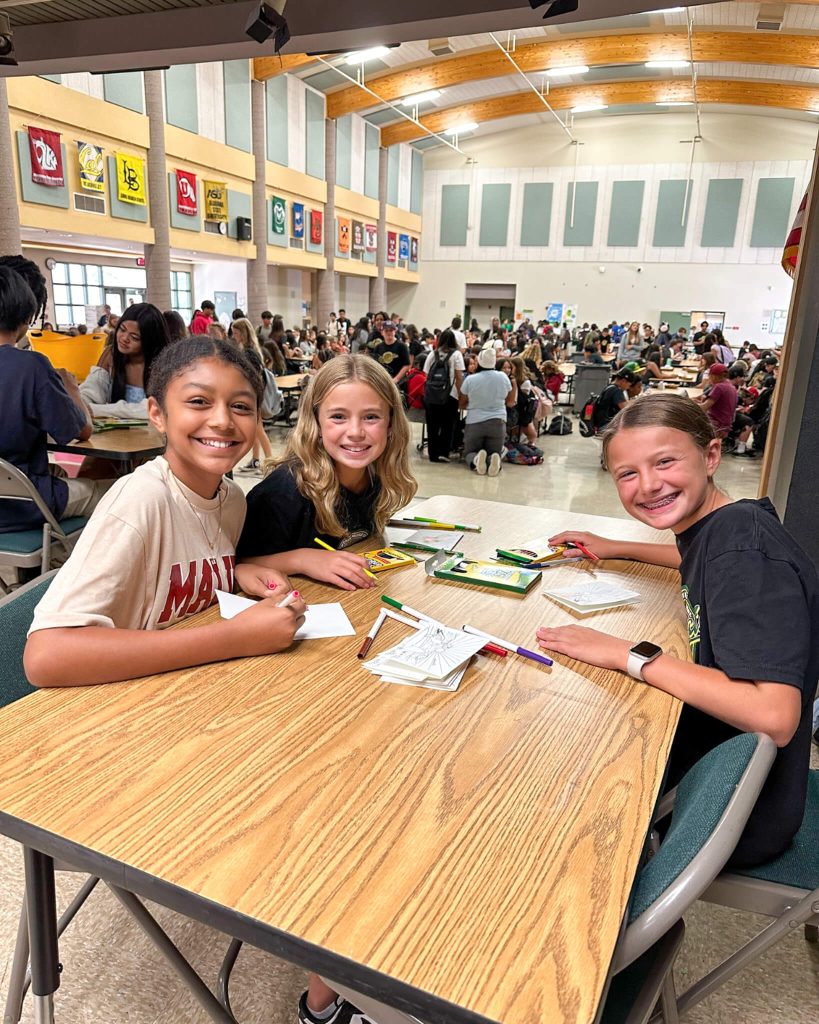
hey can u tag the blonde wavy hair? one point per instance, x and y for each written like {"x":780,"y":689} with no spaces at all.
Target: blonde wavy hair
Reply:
{"x":314,"y":470}
{"x":245,"y":338}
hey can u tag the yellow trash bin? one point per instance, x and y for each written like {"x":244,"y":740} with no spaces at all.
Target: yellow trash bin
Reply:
{"x":77,"y":355}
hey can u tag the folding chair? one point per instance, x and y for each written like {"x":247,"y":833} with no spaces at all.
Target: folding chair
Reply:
{"x":785,"y":889}
{"x":26,"y":549}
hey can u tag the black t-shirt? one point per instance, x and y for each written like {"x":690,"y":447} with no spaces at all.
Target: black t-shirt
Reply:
{"x":392,"y":357}
{"x":761,"y":622}
{"x":280,"y":518}
{"x":608,"y":405}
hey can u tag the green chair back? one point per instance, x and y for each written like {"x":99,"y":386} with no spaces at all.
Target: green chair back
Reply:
{"x":16,"y":613}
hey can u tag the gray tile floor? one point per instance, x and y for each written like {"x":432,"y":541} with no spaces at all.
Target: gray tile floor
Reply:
{"x":113,"y":976}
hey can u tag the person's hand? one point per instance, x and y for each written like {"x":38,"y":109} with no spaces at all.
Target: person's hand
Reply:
{"x":265,"y":628}
{"x":341,"y":568}
{"x":584,"y":644}
{"x":68,"y":378}
{"x":597,"y":545}
{"x":259,"y":581}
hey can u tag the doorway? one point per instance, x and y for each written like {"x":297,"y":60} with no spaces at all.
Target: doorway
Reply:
{"x":119,"y":299}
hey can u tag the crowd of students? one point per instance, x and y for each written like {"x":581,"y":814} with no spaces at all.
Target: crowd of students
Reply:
{"x":163,"y":538}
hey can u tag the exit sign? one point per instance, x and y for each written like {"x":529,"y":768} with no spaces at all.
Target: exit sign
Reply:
{"x":140,"y":261}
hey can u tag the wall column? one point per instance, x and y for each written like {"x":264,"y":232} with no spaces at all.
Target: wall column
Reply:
{"x":158,"y":255}
{"x":10,"y":244}
{"x":327,"y":284}
{"x":378,"y":285}
{"x":258,"y":296}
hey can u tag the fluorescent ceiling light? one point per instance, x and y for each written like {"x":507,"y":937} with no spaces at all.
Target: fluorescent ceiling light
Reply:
{"x":364,"y":55}
{"x":669,"y":10}
{"x":675,"y":103}
{"x":587,"y":108}
{"x":577,"y":69}
{"x":669,"y":63}
{"x":459,"y":129}
{"x":421,"y":97}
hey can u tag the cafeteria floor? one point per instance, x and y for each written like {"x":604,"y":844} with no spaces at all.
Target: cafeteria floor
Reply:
{"x":112,"y":973}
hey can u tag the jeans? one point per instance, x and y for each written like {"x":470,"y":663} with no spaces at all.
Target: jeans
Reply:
{"x":487,"y":436}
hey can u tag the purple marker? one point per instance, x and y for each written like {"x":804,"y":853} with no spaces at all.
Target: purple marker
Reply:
{"x":522,"y":651}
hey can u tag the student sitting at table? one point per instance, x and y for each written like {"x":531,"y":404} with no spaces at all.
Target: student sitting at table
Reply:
{"x":751,"y":595}
{"x":115,"y":387}
{"x":344,"y":473}
{"x":721,"y":401}
{"x":36,"y":400}
{"x":163,"y":540}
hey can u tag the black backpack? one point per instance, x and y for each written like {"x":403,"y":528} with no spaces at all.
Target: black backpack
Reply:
{"x":438,"y":385}
{"x":560,"y":425}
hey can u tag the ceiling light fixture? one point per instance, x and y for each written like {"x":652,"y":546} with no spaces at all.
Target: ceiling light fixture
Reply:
{"x":577,"y":69}
{"x":668,"y":63}
{"x":460,"y":129}
{"x":362,"y":56}
{"x":421,"y":97}
{"x":587,"y":108}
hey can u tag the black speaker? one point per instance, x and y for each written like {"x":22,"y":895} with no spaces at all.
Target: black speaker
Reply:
{"x":243,"y":229}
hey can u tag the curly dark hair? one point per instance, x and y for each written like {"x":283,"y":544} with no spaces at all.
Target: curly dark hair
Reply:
{"x":176,"y":358}
{"x":31,"y":274}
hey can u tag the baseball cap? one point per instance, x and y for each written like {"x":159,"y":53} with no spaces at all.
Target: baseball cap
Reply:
{"x":388,"y":325}
{"x":487,"y":359}
{"x":753,"y":392}
{"x":720,"y":369}
{"x":626,"y":374}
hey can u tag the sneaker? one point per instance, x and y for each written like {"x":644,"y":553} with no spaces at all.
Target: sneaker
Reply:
{"x":342,"y":1013}
{"x":748,"y":453}
{"x":480,"y":463}
{"x":254,"y":466}
{"x":494,"y":465}
{"x":443,"y":458}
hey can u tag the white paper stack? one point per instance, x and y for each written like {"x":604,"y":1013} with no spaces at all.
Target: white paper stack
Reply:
{"x":434,"y":657}
{"x":595,"y":595}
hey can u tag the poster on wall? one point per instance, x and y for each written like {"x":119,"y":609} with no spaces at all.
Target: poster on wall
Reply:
{"x":358,"y":236}
{"x":130,"y":179}
{"x":92,"y":167}
{"x":46,"y":157}
{"x":279,"y":216}
{"x":215,"y":200}
{"x":403,"y":247}
{"x":371,"y":237}
{"x":343,"y":234}
{"x":392,"y":244}
{"x":186,"y":193}
{"x":554,"y":312}
{"x":316,"y":226}
{"x":413,"y":250}
{"x":298,"y":220}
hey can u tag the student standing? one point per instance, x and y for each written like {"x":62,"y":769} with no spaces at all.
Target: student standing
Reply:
{"x":738,"y":565}
{"x":392,"y":354}
{"x":441,"y":395}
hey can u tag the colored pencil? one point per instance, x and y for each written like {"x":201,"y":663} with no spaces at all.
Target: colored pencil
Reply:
{"x":327,"y":547}
{"x":452,"y":526}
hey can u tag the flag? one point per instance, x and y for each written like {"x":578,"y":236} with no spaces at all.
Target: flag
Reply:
{"x":413,"y":250}
{"x":794,"y":239}
{"x":343,"y":234}
{"x":92,"y":167}
{"x":392,"y":240}
{"x":186,"y":193}
{"x":316,"y":226}
{"x":130,"y":179}
{"x":215,"y":200}
{"x":403,"y":247}
{"x":358,"y":236}
{"x":46,"y":157}
{"x":298,"y":220}
{"x":279,"y":216}
{"x":371,"y":233}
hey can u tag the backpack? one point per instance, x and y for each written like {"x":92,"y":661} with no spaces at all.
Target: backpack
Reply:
{"x":272,"y":397}
{"x":587,"y":423}
{"x":560,"y":425}
{"x":438,"y":385}
{"x":522,"y":455}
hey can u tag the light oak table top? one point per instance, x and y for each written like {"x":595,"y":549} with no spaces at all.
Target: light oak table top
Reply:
{"x":290,"y":381}
{"x":465,"y":857}
{"x":124,"y":445}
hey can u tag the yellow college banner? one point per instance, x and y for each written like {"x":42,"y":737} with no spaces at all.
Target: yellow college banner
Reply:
{"x":215,"y":200}
{"x":130,"y":179}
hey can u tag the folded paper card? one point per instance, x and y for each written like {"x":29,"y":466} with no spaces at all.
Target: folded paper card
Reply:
{"x":593,"y":595}
{"x":320,"y":621}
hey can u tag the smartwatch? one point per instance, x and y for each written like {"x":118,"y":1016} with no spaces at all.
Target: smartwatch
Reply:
{"x":639,"y":655}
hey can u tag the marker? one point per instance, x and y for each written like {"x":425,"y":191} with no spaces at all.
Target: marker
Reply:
{"x":368,"y":640}
{"x":491,"y":648}
{"x":453,"y":526}
{"x":522,"y":651}
{"x":548,"y":565}
{"x":584,"y":549}
{"x":410,"y":611}
{"x":327,"y":547}
{"x":291,"y":597}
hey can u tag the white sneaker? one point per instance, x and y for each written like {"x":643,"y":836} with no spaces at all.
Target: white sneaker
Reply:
{"x":494,"y":465}
{"x":480,"y":463}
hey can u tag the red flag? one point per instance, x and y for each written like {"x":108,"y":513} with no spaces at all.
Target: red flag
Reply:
{"x":794,"y":239}
{"x":46,"y":157}
{"x":186,"y":201}
{"x":392,"y":246}
{"x":316,"y":226}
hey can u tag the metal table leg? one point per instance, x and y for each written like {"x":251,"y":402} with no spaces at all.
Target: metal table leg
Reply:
{"x":42,"y":927}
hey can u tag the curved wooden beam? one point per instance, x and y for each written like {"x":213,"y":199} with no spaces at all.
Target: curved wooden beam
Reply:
{"x":594,"y":51}
{"x":741,"y":91}
{"x":270,"y":67}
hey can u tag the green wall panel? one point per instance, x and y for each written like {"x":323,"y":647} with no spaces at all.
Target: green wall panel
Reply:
{"x":393,"y":170}
{"x":719,"y":226}
{"x":372,"y":144}
{"x":180,"y":97}
{"x":239,"y":204}
{"x":495,"y":200}
{"x":669,"y":225}
{"x":237,"y":104}
{"x":772,"y":213}
{"x":182,"y":220}
{"x":276,"y":116}
{"x":125,"y":211}
{"x":626,"y":213}
{"x":344,"y":151}
{"x":314,"y":133}
{"x":585,"y":211}
{"x":536,"y":218}
{"x":417,"y":182}
{"x":57,"y":79}
{"x":125,"y":89}
{"x":454,"y":214}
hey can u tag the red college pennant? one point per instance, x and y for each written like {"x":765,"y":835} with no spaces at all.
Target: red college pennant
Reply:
{"x":316,"y":226}
{"x":186,"y":193}
{"x":46,"y":157}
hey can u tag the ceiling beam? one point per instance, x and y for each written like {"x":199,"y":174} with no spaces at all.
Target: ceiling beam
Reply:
{"x":270,"y":67}
{"x":595,"y":51}
{"x":739,"y":91}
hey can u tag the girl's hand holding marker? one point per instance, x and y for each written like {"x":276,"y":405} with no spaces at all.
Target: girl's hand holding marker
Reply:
{"x":268,"y":627}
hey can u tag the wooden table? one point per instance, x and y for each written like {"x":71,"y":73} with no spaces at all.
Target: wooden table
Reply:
{"x":290,"y":385}
{"x":464,"y":857}
{"x":128,"y":445}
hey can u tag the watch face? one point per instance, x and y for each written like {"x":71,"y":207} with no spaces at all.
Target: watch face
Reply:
{"x":646,"y":649}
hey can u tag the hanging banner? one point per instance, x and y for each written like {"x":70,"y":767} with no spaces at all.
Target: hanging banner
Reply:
{"x":403,"y":247}
{"x":413,"y":250}
{"x":358,"y":236}
{"x":371,"y":237}
{"x":186,"y":193}
{"x":279,"y":216}
{"x":343,"y":234}
{"x":316,"y":226}
{"x":215,"y":200}
{"x":46,"y":157}
{"x":298,"y":220}
{"x":130,"y":179}
{"x":92,"y":167}
{"x":392,"y":242}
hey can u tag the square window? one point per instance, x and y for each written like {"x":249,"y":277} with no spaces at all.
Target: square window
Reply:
{"x":93,"y":274}
{"x":61,"y":295}
{"x":59,"y":275}
{"x":78,"y":295}
{"x":75,"y":273}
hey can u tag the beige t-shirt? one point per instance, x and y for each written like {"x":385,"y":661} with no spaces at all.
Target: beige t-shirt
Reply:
{"x":143,"y":562}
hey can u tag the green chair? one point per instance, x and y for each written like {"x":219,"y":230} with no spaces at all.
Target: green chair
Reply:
{"x":785,"y":889}
{"x":26,"y":549}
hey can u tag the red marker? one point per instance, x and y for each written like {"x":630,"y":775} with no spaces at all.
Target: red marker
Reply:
{"x":584,"y":549}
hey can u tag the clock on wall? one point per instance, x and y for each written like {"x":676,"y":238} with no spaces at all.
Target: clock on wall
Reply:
{"x":51,"y":263}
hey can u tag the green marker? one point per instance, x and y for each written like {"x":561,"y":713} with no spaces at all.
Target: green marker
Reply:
{"x":451,"y":526}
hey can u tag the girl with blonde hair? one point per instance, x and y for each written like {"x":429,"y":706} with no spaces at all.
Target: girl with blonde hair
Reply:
{"x":344,"y":473}
{"x":244,"y":337}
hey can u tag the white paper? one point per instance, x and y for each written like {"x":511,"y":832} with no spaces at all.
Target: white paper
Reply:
{"x":446,"y":540}
{"x":320,"y":620}
{"x":593,"y":594}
